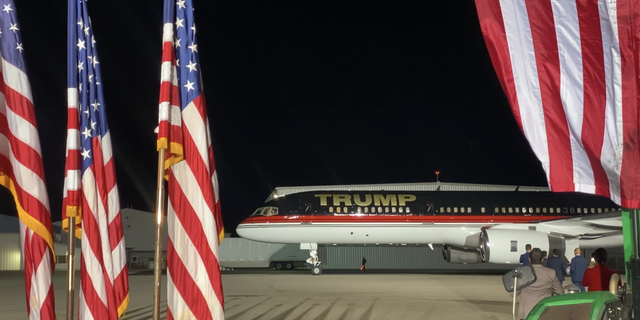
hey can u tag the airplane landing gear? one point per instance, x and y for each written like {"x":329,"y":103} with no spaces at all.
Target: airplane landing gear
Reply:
{"x":316,"y":265}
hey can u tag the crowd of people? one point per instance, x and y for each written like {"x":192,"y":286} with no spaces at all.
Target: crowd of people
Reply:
{"x":551,"y":272}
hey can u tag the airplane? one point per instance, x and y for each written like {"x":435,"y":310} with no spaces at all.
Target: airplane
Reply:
{"x":472,"y":223}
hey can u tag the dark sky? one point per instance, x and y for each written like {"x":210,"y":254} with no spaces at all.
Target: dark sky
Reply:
{"x":312,"y":94}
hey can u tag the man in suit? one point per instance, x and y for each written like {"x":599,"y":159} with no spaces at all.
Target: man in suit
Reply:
{"x":556,"y":263}
{"x":578,"y":267}
{"x":524,"y":258}
{"x":546,"y":285}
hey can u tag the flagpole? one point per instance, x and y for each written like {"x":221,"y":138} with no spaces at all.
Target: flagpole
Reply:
{"x":71,"y":277}
{"x":160,"y":202}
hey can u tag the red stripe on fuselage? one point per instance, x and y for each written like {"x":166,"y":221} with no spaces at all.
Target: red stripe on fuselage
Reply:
{"x":399,"y":219}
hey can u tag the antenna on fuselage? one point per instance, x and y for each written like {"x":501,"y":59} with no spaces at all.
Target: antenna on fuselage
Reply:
{"x":438,"y":180}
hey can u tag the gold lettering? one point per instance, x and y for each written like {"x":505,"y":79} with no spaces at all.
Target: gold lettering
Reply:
{"x":366,"y":202}
{"x":341,"y":198}
{"x":404,"y":198}
{"x":389,"y":199}
{"x":323,"y":198}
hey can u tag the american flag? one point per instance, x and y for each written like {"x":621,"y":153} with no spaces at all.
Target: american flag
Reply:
{"x":194,"y":289}
{"x":90,"y":190}
{"x":21,"y":169}
{"x":570,"y":70}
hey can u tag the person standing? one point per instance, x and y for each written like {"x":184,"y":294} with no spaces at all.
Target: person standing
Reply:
{"x":597,"y":278}
{"x":546,"y":284}
{"x":578,"y":267}
{"x":524,"y":258}
{"x":556,"y":263}
{"x":364,"y":262}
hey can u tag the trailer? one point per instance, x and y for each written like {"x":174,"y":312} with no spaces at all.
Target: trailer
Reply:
{"x":244,"y":253}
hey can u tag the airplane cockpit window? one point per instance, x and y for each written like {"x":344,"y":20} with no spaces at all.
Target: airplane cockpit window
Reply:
{"x":266,"y":211}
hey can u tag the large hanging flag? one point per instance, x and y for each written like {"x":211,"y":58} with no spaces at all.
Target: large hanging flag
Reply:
{"x":194,"y":289}
{"x":91,"y":193}
{"x":570,"y":72}
{"x":21,"y":169}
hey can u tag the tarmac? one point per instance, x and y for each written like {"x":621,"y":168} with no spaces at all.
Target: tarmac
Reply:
{"x":297,"y":295}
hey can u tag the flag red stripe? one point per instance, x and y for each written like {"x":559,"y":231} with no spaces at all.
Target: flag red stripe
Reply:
{"x":24,"y":153}
{"x":498,"y":47}
{"x":19,"y":104}
{"x":191,"y":223}
{"x":185,"y":285}
{"x":30,"y":204}
{"x":544,"y":40}
{"x":98,"y":310}
{"x":630,"y":175}
{"x":595,"y":90}
{"x":109,"y":175}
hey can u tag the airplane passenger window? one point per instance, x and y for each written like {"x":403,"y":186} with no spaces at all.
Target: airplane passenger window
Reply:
{"x":407,"y":211}
{"x":462,"y":209}
{"x":338,"y":209}
{"x":455,"y":209}
{"x":558,"y":210}
{"x":585,"y":210}
{"x":345,"y":210}
{"x":593,"y":210}
{"x":366,"y":209}
{"x":564,"y":210}
{"x":550,"y":210}
{"x":379,"y":209}
{"x":400,"y":210}
{"x":510,"y":210}
{"x":537,"y":210}
{"x":571,"y":210}
{"x":530,"y":210}
{"x":468,"y":209}
{"x":504,"y":210}
{"x":330,"y":209}
{"x":441,"y":209}
{"x":393,"y":209}
{"x":482,"y":210}
{"x":386,"y":209}
{"x":517,"y":210}
{"x":579,"y":210}
{"x":606,"y":209}
{"x":448,"y":209}
{"x":524,"y":210}
{"x":599,"y":210}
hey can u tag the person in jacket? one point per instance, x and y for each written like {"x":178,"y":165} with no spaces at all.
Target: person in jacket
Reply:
{"x":524,"y":258}
{"x":597,"y":278}
{"x":578,"y":268}
{"x":546,"y":285}
{"x":556,"y":263}
{"x":544,"y":259}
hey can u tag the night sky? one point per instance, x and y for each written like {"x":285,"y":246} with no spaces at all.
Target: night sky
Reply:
{"x":313,"y":94}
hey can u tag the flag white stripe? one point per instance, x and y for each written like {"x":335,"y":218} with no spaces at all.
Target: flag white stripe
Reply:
{"x":15,"y":79}
{"x":525,"y":76}
{"x":28,"y":181}
{"x":85,"y":311}
{"x":119,"y":257}
{"x":72,"y":98}
{"x":194,"y":123}
{"x":73,"y":140}
{"x":93,"y":267}
{"x":176,"y":304}
{"x":189,"y":185}
{"x":19,"y":127}
{"x":567,"y":28}
{"x":611,"y":156}
{"x":192,"y":262}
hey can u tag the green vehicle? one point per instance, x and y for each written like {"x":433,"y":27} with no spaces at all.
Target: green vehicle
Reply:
{"x":597,"y":305}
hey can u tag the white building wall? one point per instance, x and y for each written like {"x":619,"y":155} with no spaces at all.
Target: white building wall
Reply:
{"x":10,"y":252}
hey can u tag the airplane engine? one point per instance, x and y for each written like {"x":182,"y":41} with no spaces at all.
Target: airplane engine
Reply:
{"x":461,"y":255}
{"x":506,"y":246}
